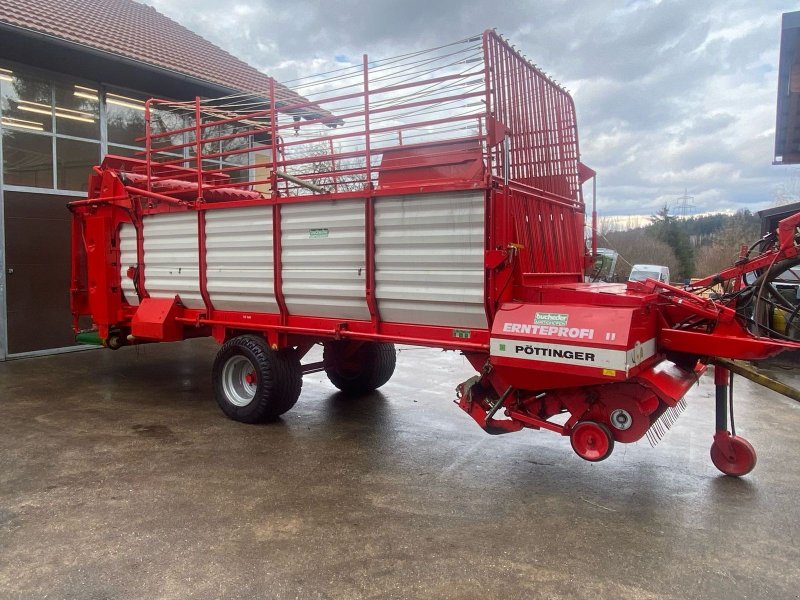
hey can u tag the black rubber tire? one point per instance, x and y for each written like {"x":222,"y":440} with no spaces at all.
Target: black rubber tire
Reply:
{"x":279,"y":379}
{"x":374,"y":364}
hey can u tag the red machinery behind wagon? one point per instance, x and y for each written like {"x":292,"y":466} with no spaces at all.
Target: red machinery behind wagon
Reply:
{"x":436,"y":201}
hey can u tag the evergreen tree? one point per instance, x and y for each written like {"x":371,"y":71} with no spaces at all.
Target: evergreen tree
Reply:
{"x":666,"y":228}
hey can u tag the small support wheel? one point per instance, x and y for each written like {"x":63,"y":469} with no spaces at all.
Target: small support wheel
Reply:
{"x":733,"y":455}
{"x":592,"y":441}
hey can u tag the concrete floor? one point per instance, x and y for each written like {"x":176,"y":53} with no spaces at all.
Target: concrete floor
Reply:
{"x":120,"y":478}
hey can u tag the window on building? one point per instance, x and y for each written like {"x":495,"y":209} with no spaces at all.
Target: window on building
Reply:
{"x":26,"y":103}
{"x":125,"y":119}
{"x":126,"y":151}
{"x":27,"y":158}
{"x":228,"y":150}
{"x":77,"y":110}
{"x":74,"y":160}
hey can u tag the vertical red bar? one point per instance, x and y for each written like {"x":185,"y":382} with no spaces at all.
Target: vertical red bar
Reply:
{"x":277,"y":245}
{"x":334,"y":169}
{"x":594,"y":216}
{"x":198,"y":132}
{"x":367,"y":149}
{"x":492,"y":233}
{"x":369,"y":214}
{"x":487,"y":78}
{"x":148,"y":143}
{"x":202,"y":262}
{"x":273,"y":126}
{"x":514,"y":110}
{"x":369,"y":243}
{"x":277,"y":262}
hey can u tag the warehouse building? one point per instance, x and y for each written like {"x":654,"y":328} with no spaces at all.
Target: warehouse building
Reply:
{"x":74,"y":75}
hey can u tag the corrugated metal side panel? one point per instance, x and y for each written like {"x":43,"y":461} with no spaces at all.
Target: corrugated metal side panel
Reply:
{"x":240,"y":273}
{"x":127,"y":259}
{"x":171,"y":257}
{"x":323,"y":259}
{"x":429,"y":258}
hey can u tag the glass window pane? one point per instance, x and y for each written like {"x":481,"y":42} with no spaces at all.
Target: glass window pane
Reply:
{"x":74,"y":161}
{"x":26,"y":103}
{"x":167,"y":121}
{"x":238,"y":159}
{"x":27,"y":159}
{"x":128,"y":152}
{"x":125,"y":116}
{"x":77,"y":111}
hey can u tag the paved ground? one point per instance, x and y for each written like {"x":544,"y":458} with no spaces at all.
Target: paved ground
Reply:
{"x":120,"y":478}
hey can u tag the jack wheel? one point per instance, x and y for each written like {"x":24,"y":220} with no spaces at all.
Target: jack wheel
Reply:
{"x":733,"y":455}
{"x":592,"y":441}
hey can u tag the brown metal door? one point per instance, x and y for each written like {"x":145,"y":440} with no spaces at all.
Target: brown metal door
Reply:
{"x":37,"y":228}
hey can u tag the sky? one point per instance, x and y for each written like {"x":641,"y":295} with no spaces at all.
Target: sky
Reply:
{"x":674,"y":97}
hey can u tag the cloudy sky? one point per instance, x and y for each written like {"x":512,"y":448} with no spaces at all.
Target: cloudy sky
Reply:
{"x":672,"y":95}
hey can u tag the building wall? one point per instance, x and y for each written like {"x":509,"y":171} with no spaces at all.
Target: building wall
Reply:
{"x":53,"y":129}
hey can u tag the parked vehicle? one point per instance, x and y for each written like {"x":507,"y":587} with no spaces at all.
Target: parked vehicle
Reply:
{"x":605,"y":266}
{"x":256,"y":223}
{"x":643,"y":272}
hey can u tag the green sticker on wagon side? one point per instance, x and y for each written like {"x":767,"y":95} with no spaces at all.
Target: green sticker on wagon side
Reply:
{"x":463,"y":334}
{"x":318,"y":233}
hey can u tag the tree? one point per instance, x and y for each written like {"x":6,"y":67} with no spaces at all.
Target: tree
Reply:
{"x":743,"y":228}
{"x":667,"y":229}
{"x":637,"y":246}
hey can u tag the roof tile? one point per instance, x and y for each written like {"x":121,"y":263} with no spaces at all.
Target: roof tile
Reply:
{"x":139,"y":32}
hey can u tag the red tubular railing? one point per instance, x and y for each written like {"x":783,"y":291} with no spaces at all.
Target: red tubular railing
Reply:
{"x":524,"y":125}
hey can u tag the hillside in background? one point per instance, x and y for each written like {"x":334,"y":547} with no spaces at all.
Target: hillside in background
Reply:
{"x":693,"y":247}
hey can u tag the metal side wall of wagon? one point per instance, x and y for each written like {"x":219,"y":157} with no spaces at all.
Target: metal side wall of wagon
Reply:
{"x":428,"y":262}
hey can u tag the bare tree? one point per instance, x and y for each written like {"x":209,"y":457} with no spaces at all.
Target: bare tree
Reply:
{"x":323,"y":170}
{"x":637,"y":247}
{"x":726,"y":245}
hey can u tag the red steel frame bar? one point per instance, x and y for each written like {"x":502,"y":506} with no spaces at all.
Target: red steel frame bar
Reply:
{"x":277,"y":251}
{"x":202,"y":262}
{"x":369,"y":211}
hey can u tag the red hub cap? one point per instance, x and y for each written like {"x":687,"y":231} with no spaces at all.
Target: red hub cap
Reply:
{"x":591,"y":441}
{"x":250,"y":378}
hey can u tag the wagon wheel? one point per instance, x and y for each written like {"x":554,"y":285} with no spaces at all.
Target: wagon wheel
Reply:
{"x":358,"y":367}
{"x":253,"y":383}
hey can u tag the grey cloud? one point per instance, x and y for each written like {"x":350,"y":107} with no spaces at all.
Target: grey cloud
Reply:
{"x":671,"y":94}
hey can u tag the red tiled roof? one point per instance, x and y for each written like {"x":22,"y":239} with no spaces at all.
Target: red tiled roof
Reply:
{"x":139,"y":32}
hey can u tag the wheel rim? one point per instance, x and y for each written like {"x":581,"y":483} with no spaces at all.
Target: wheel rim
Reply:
{"x":239,"y":381}
{"x":590,"y":441}
{"x":350,"y":366}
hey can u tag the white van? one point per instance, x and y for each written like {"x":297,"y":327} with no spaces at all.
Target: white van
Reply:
{"x":642,"y":272}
